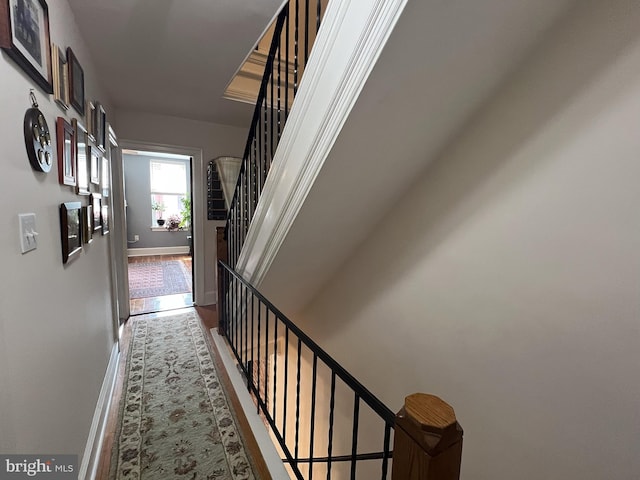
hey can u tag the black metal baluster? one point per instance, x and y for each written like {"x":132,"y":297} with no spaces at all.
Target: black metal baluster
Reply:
{"x":267,"y":161}
{"x":271,"y":111}
{"x":295,"y":50}
{"x":314,"y":378}
{"x":233,"y":313}
{"x":243,"y":319}
{"x":288,"y":60}
{"x":354,"y":438}
{"x":246,"y":339}
{"x":275,"y":366}
{"x":318,"y":15}
{"x":286,"y":383}
{"x":332,"y":404}
{"x":258,"y":375}
{"x":266,"y":358}
{"x":252,"y":346}
{"x":298,"y":400}
{"x":279,"y":85}
{"x":386,"y":449}
{"x":255,"y":154}
{"x":306,"y":31}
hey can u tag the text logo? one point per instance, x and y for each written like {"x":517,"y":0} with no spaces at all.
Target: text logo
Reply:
{"x":50,"y":467}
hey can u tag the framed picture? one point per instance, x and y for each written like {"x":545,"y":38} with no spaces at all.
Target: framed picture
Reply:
{"x":100,"y":125}
{"x":95,"y":162}
{"x":66,"y":152}
{"x":82,"y":158}
{"x":91,"y":119}
{"x":95,"y":200}
{"x":105,"y":184}
{"x":60,"y":77}
{"x":76,"y":82}
{"x":87,"y":223}
{"x":70,"y":230}
{"x":24,"y":35}
{"x":105,"y":218}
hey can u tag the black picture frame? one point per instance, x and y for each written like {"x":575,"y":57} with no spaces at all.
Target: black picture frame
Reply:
{"x":100,"y":123}
{"x":76,"y":82}
{"x":87,"y":224}
{"x":95,"y":200}
{"x":70,"y":230}
{"x":24,"y":35}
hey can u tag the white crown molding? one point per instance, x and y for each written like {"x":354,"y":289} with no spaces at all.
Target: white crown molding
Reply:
{"x":322,"y":105}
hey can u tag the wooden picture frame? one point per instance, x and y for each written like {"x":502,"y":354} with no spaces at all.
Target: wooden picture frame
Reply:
{"x":105,"y":218}
{"x":76,"y":82}
{"x":70,"y":230}
{"x":82,"y":158}
{"x":95,"y":200}
{"x":60,"y":77}
{"x":66,"y":139}
{"x":87,"y":224}
{"x":95,"y":162}
{"x":24,"y":35}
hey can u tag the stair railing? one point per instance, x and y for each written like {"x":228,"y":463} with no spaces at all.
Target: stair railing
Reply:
{"x":326,"y":422}
{"x":295,"y":30}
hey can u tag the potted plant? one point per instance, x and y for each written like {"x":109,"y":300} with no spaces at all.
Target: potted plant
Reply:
{"x":185,"y":213}
{"x":158,"y":207}
{"x":173,"y":222}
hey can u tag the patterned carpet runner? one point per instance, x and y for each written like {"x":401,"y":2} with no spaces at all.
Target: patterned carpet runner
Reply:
{"x":175,"y":420}
{"x":155,"y":279}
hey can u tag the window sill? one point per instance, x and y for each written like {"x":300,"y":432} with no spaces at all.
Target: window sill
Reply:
{"x":165,"y":229}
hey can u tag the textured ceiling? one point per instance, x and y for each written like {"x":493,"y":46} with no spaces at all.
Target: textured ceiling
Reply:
{"x":173,"y":57}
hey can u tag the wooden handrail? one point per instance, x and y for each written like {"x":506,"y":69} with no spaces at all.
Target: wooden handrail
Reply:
{"x":427,"y":441}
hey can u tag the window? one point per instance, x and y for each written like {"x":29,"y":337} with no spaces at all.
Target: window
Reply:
{"x":168,"y":182}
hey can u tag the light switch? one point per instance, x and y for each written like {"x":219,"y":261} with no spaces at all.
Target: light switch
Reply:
{"x":28,"y":232}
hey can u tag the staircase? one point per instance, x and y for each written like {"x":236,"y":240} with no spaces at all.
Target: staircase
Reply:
{"x":323,"y":420}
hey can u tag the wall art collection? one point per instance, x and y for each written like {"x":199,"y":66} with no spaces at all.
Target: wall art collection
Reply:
{"x":83,"y":162}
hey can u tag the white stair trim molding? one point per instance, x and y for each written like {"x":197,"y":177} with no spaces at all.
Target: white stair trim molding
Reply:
{"x":361,"y":29}
{"x":91,"y":457}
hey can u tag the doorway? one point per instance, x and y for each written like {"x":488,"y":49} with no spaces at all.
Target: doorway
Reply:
{"x":159,"y":223}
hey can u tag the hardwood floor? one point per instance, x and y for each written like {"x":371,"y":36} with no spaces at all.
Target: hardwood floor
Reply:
{"x":209,"y":319}
{"x":139,"y":306}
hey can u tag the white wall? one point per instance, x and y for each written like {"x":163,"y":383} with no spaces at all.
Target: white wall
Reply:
{"x":506,"y":280}
{"x":55,"y":320}
{"x":213,"y":139}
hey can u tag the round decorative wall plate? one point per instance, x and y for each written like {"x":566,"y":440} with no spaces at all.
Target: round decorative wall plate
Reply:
{"x":37,"y":139}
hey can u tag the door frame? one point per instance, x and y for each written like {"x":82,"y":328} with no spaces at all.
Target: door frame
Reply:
{"x":197,"y":209}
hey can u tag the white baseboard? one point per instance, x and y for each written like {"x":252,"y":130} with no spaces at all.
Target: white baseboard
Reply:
{"x":91,"y":457}
{"x":267,"y":448}
{"x":142,"y":252}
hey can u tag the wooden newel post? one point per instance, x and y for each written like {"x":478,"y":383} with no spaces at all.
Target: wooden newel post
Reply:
{"x":427,"y":440}
{"x":221,"y":254}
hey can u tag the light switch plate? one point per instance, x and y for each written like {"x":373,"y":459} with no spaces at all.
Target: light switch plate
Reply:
{"x":28,"y":232}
